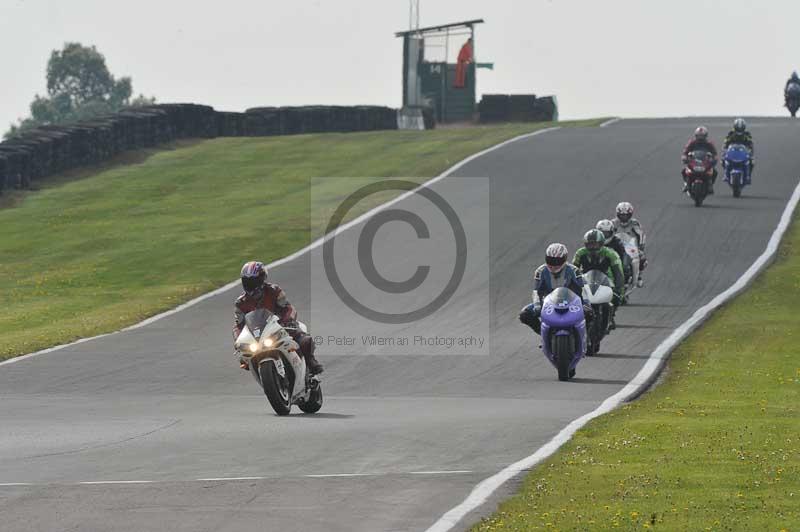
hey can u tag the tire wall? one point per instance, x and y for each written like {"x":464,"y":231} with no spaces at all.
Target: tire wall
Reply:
{"x":49,"y":150}
{"x":517,"y":108}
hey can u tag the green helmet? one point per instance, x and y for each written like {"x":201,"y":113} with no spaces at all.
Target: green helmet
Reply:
{"x":593,"y":240}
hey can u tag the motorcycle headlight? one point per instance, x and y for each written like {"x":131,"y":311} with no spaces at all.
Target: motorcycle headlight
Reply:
{"x":254,"y":347}
{"x":268,"y":342}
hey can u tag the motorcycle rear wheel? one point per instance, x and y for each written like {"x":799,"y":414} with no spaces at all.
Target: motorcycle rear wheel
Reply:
{"x":563,"y":349}
{"x":314,"y":402}
{"x":276,"y":388}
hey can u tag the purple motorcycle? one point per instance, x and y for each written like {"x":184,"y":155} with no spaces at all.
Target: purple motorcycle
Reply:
{"x":563,"y":331}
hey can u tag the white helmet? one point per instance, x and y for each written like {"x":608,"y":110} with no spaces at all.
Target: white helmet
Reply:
{"x":555,"y":257}
{"x":624,"y":212}
{"x":607,"y":227}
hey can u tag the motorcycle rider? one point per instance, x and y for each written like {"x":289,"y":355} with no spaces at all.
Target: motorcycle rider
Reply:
{"x":258,"y":293}
{"x":554,"y":273}
{"x":612,"y":241}
{"x":626,"y":223}
{"x":740,"y":135}
{"x":594,"y":255}
{"x":699,"y":141}
{"x":794,"y":78}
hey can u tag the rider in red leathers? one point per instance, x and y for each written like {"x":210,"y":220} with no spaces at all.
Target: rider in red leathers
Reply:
{"x":258,"y":293}
{"x":699,"y":141}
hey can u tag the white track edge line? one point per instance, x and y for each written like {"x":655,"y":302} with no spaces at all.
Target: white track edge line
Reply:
{"x":100,"y":482}
{"x":485,"y":488}
{"x":294,"y":255}
{"x":609,"y":122}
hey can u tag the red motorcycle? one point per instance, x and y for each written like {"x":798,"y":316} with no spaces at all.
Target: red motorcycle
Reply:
{"x":698,"y":172}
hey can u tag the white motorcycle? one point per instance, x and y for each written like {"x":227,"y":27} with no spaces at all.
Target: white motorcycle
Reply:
{"x":630,"y":263}
{"x":272,"y":356}
{"x":598,"y":292}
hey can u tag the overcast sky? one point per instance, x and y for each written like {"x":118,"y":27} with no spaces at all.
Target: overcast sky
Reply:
{"x":624,"y":58}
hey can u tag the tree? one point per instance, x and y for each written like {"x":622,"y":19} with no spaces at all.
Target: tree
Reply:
{"x":79,"y":86}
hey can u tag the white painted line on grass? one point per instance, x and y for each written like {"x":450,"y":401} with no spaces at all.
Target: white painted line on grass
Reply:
{"x":317,"y":243}
{"x":609,"y":122}
{"x":642,"y":380}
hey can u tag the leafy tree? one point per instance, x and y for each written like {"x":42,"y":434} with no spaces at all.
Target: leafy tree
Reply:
{"x":79,"y":86}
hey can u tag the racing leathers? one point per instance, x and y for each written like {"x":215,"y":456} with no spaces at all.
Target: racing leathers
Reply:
{"x":616,"y":245}
{"x":698,"y":144}
{"x":273,"y":298}
{"x":544,"y":282}
{"x":794,"y":80}
{"x":607,"y":261}
{"x":744,"y":138}
{"x":634,"y":228}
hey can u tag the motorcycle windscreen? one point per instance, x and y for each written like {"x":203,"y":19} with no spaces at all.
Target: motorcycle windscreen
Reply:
{"x":594,"y":279}
{"x":700,"y":156}
{"x":257,"y":320}
{"x":561,"y":297}
{"x":737,"y":154}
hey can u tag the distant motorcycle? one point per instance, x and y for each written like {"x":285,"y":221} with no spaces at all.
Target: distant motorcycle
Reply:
{"x":736,"y":162}
{"x":699,"y":169}
{"x":273,"y":359}
{"x":598,"y":292}
{"x":631,"y":263}
{"x":792,"y":96}
{"x":563,"y":331}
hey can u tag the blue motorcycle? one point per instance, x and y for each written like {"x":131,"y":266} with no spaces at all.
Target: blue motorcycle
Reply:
{"x":736,"y":162}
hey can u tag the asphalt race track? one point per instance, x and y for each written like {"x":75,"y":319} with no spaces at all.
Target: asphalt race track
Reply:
{"x":402,"y":437}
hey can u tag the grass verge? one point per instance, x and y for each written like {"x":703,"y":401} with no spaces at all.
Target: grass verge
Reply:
{"x":90,"y":254}
{"x":715,"y":447}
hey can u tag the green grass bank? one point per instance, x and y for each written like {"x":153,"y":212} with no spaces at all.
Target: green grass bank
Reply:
{"x":93,"y":254}
{"x":716,"y":446}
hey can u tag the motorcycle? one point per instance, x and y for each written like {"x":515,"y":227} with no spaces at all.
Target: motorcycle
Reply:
{"x":273,"y":360}
{"x":563,"y":331}
{"x":598,"y":292}
{"x":792,"y":96}
{"x":631,"y":263}
{"x":736,"y":162}
{"x":699,"y":169}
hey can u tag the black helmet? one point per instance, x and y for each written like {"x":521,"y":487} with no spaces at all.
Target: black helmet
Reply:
{"x":593,"y":240}
{"x":254,"y":275}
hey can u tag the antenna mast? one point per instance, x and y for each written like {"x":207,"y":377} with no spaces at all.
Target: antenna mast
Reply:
{"x":413,"y":15}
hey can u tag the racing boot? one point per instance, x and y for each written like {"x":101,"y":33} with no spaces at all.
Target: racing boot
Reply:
{"x":307,"y":349}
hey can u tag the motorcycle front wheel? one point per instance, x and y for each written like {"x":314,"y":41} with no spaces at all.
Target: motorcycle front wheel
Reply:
{"x":563,"y":349}
{"x":276,"y":388}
